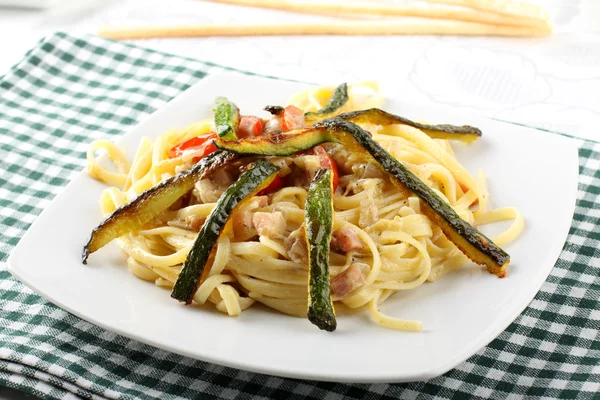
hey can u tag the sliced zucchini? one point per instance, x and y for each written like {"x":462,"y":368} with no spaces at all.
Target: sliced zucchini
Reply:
{"x":274,"y":110}
{"x":152,"y":202}
{"x":376,"y":116}
{"x":469,"y":240}
{"x":337,"y":101}
{"x":284,"y":143}
{"x":319,"y":226}
{"x":255,"y":179}
{"x":227,"y":118}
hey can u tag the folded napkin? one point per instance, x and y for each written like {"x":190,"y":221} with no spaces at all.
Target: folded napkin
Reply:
{"x":71,"y":90}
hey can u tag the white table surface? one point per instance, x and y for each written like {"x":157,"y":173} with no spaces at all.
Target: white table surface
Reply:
{"x":553,"y":83}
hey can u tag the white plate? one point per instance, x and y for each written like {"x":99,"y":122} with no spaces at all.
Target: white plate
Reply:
{"x":461,"y":313}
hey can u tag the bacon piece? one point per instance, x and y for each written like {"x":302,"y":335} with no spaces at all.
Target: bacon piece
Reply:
{"x":296,"y":246}
{"x":352,"y":278}
{"x":345,"y":239}
{"x":271,"y":225}
{"x":261,"y":201}
{"x":242,"y":218}
{"x":194,"y":222}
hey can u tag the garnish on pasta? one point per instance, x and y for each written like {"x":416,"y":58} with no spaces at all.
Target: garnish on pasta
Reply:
{"x":328,"y":204}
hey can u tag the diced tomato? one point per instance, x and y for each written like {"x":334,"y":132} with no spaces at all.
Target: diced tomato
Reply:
{"x":293,"y":118}
{"x":208,"y":149}
{"x":328,"y":162}
{"x":273,"y":186}
{"x":203,"y":145}
{"x":249,"y":126}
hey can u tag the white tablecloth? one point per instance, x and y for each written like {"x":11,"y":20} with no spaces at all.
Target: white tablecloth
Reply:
{"x":552,"y":83}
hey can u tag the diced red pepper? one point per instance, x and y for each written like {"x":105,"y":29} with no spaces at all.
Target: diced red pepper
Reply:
{"x":328,"y":162}
{"x":273,"y":186}
{"x":208,"y":148}
{"x":203,"y":145}
{"x":249,"y":126}
{"x":293,"y":118}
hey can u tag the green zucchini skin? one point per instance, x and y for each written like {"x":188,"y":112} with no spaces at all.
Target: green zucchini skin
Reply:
{"x":248,"y":184}
{"x":377,"y":116}
{"x":152,"y":202}
{"x":337,"y":101}
{"x":468,"y":239}
{"x":280,"y":144}
{"x":227,"y":118}
{"x":319,"y":226}
{"x":274,"y":110}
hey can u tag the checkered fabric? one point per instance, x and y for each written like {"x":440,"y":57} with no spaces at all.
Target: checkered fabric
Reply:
{"x":69,"y":91}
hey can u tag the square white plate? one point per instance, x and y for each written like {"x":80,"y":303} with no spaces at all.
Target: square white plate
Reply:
{"x":461,"y":313}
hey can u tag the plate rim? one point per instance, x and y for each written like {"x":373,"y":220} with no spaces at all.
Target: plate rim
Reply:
{"x":360,"y":377}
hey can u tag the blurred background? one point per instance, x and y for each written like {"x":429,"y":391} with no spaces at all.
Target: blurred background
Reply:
{"x":21,"y":27}
{"x":522,"y":80}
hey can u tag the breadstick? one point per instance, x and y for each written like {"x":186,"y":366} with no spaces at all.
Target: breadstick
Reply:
{"x":357,"y":10}
{"x":345,"y":27}
{"x":504,"y":7}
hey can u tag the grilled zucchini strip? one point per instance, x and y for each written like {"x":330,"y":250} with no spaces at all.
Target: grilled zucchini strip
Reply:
{"x":337,"y":101}
{"x":319,"y":226}
{"x":152,"y":202}
{"x":194,"y":271}
{"x":468,"y":239}
{"x":227,"y":118}
{"x":284,"y":143}
{"x":376,"y":116}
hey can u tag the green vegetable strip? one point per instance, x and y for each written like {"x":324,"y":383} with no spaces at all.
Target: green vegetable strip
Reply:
{"x":227,"y":118}
{"x":260,"y":175}
{"x":319,"y":225}
{"x":149,"y":204}
{"x":284,"y":143}
{"x":376,"y":116}
{"x":469,"y":240}
{"x":337,"y":101}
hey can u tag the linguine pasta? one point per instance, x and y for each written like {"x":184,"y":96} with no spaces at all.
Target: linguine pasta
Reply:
{"x":399,"y":247}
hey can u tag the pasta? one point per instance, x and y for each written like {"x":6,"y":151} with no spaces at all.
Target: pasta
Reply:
{"x":380,"y":233}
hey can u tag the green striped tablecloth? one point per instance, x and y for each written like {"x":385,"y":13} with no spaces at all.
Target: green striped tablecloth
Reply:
{"x":68,"y":91}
